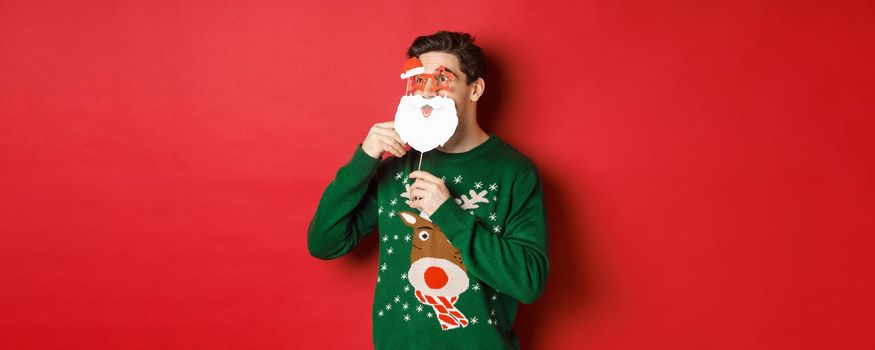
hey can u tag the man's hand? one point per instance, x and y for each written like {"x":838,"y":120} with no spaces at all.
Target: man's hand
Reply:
{"x":383,"y":138}
{"x":427,"y":193}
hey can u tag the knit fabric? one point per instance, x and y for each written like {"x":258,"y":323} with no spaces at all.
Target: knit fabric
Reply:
{"x":454,"y":279}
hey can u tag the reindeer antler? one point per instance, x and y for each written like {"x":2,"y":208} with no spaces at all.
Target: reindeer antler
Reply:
{"x":471,"y":203}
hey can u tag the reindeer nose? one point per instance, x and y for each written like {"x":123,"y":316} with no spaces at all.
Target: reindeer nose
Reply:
{"x":436,"y":277}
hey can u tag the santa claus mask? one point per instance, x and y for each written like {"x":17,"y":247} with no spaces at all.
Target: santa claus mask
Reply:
{"x":425,"y":123}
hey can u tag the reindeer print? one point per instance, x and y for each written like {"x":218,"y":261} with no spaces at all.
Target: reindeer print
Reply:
{"x":471,"y":203}
{"x":436,"y":271}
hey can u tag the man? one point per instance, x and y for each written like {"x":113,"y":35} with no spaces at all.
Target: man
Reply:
{"x":462,"y":240}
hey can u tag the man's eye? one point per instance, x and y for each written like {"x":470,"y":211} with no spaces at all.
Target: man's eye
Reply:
{"x":443,"y":79}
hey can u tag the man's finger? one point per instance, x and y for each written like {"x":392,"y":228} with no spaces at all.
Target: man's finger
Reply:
{"x":386,"y":125}
{"x":423,"y":184}
{"x":390,"y":133}
{"x":397,"y":137}
{"x":419,"y":193}
{"x":425,"y":176}
{"x":395,"y":144}
{"x":392,"y":146}
{"x":386,"y":146}
{"x":415,"y":204}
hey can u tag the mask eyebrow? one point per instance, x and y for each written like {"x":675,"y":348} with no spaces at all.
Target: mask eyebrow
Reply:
{"x":449,"y":70}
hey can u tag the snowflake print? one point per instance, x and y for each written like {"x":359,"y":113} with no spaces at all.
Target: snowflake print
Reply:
{"x":390,"y":251}
{"x":406,"y":318}
{"x":395,"y":237}
{"x":492,"y":216}
{"x":493,"y":187}
{"x":385,"y":238}
{"x":496,"y":229}
{"x":399,"y":175}
{"x":444,"y":178}
{"x":418,"y":308}
{"x":471,"y":212}
{"x":473,"y":320}
{"x":380,"y":313}
{"x":384,"y":267}
{"x":407,"y":238}
{"x":429,"y":315}
{"x":476,"y":287}
{"x":406,"y":305}
{"x":492,"y":312}
{"x":406,"y":179}
{"x":388,"y":307}
{"x":494,"y":198}
{"x":457,"y":179}
{"x":378,"y":279}
{"x":494,"y":297}
{"x":406,"y":288}
{"x":393,"y":201}
{"x":397,"y":298}
{"x":380,"y":211}
{"x":392,"y":214}
{"x":478,"y":184}
{"x":404,"y":276}
{"x":489,"y":321}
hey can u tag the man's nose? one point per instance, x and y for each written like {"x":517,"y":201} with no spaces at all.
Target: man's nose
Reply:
{"x":429,"y":90}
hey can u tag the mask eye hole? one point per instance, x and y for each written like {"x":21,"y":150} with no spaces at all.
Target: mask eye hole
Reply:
{"x":423,"y":235}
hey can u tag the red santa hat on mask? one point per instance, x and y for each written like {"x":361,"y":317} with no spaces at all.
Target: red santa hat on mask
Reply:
{"x":412,"y":67}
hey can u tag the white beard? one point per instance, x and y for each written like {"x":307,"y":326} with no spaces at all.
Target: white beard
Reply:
{"x":425,"y":133}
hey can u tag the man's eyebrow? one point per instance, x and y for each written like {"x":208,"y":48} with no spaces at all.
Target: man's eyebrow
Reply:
{"x":449,"y":70}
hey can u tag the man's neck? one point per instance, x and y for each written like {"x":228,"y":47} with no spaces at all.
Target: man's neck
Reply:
{"x":466,"y":138}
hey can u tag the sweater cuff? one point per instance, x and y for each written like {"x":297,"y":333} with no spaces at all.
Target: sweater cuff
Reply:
{"x":451,"y":219}
{"x":362,"y":164}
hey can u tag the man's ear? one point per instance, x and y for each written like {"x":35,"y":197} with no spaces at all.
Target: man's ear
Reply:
{"x":477,"y":90}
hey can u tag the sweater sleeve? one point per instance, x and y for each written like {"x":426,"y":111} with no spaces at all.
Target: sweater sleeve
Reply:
{"x":347,"y":210}
{"x":515,"y":263}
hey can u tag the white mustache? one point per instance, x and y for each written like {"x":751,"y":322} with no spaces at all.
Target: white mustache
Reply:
{"x":436,"y":102}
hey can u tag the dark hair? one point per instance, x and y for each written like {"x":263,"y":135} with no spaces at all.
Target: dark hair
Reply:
{"x":460,"y":44}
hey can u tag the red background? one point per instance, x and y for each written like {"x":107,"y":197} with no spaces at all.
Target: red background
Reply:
{"x":708,"y":168}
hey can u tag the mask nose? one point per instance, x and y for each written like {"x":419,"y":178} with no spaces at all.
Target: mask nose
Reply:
{"x":429,"y":90}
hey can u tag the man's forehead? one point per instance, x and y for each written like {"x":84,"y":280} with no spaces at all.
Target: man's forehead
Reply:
{"x":431,"y":61}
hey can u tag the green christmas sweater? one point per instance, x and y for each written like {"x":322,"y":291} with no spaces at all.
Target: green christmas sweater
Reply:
{"x":452,"y":280}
